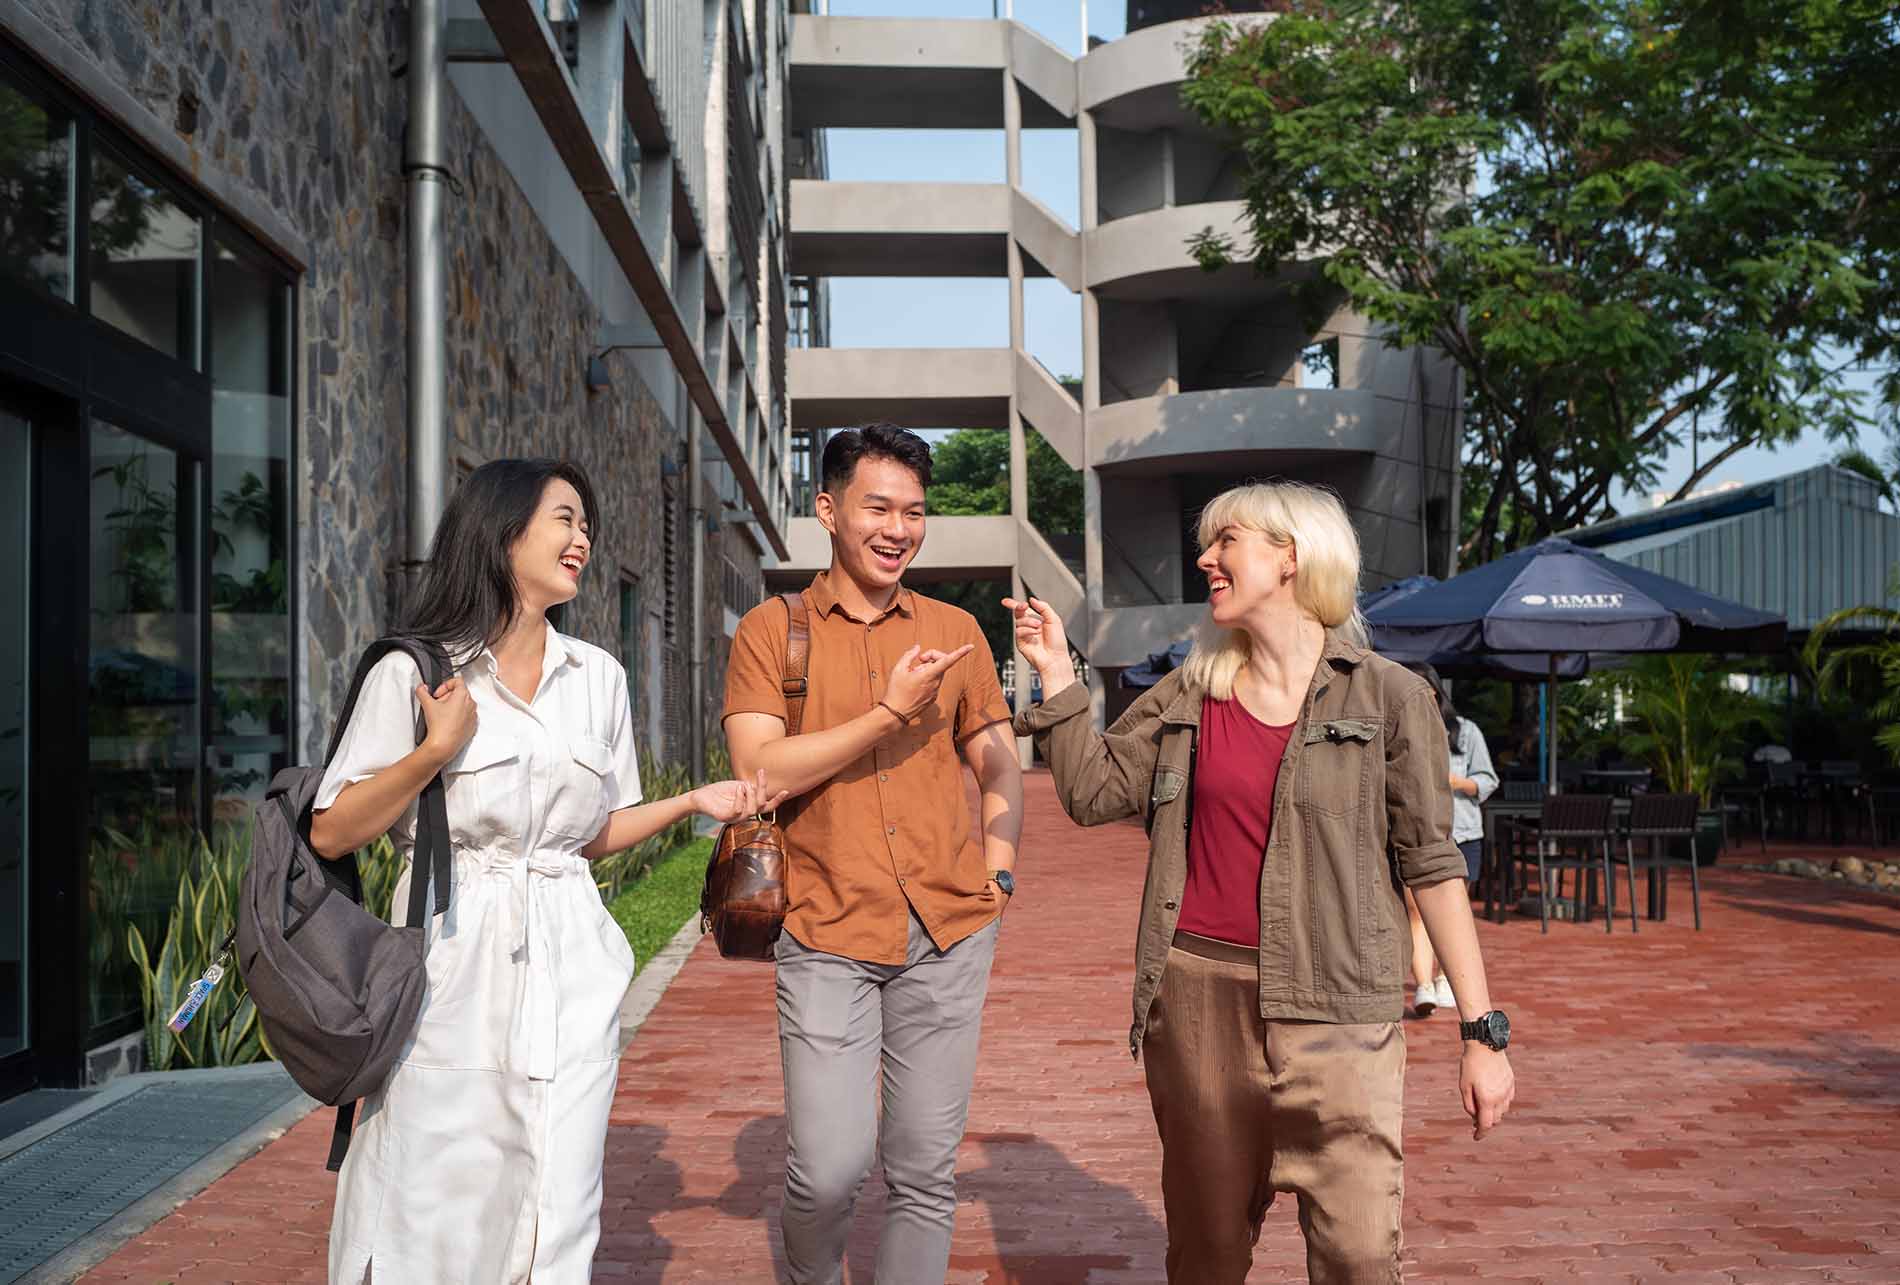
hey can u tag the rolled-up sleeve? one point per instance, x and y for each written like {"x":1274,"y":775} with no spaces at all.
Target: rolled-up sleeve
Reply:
{"x":1418,"y":792}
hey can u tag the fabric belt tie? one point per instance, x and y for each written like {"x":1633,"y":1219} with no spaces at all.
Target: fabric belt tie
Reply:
{"x":532,"y":1037}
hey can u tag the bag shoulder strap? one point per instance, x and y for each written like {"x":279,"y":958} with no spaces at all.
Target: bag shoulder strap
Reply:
{"x":797,"y":659}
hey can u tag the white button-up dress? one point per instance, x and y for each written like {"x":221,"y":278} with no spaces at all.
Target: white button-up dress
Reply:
{"x":479,"y":1159}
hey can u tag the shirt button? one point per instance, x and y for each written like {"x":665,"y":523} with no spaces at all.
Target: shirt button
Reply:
{"x":900,"y":881}
{"x":883,"y":776}
{"x":890,"y":829}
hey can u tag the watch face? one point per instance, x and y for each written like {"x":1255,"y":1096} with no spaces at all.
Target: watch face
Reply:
{"x":1006,"y":881}
{"x":1500,"y":1029}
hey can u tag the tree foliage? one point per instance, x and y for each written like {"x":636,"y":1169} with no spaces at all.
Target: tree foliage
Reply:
{"x":1624,"y":220}
{"x":970,"y":477}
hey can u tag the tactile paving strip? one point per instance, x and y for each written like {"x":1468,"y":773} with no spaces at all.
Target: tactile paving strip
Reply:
{"x":72,"y":1181}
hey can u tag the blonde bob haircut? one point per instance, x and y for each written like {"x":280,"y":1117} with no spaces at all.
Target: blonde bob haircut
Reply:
{"x":1325,"y":585}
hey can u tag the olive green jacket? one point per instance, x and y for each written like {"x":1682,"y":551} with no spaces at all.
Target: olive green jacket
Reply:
{"x":1363,"y":802}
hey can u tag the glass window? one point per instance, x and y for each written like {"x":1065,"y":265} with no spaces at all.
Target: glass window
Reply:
{"x":250,"y":530}
{"x":36,"y":180}
{"x":144,"y":254}
{"x":631,"y":644}
{"x":143,"y":712}
{"x":16,"y":436}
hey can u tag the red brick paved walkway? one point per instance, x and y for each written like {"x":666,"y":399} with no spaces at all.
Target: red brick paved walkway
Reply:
{"x":1713,"y":1107}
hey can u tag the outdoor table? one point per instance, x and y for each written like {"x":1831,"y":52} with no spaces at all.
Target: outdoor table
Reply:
{"x":1617,"y":780}
{"x":1496,"y":808}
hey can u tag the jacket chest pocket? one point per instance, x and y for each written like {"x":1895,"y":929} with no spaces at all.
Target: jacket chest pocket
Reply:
{"x":577,"y":797}
{"x":1336,"y":765}
{"x":1166,"y":789}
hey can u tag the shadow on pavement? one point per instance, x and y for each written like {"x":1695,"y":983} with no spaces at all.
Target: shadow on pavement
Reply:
{"x":1818,"y":918}
{"x":1035,"y":1196}
{"x":636,"y":1155}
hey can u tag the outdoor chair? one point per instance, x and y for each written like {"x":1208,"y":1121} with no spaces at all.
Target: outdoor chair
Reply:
{"x":1747,"y":800}
{"x":1783,"y":792}
{"x":1572,"y":832}
{"x":1883,"y":812}
{"x":1659,"y":819}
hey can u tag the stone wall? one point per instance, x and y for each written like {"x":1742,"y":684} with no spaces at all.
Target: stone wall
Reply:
{"x":298,"y":104}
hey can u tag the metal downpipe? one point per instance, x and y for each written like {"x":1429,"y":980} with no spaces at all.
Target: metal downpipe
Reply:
{"x":425,"y":174}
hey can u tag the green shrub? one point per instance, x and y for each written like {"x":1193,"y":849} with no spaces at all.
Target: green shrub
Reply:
{"x":225,"y":1031}
{"x":133,"y":877}
{"x":652,"y":909}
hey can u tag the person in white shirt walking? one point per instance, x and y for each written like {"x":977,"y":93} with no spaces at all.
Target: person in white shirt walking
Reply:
{"x":479,"y":1159}
{"x":1472,"y":781}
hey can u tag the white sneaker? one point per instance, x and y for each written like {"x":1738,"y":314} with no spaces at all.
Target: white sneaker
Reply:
{"x":1444,"y":996}
{"x":1424,"y":999}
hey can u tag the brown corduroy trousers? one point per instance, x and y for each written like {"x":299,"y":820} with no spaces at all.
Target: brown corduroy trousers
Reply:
{"x":1248,"y":1108}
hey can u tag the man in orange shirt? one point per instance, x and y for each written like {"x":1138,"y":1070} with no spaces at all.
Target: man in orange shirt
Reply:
{"x":893,"y":906}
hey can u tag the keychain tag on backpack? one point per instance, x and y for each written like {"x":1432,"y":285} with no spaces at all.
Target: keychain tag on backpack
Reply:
{"x":194,"y":998}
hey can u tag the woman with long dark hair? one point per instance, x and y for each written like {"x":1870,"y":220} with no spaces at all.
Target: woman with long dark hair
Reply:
{"x":480,"y":1157}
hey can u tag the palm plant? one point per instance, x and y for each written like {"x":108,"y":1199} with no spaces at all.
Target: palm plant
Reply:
{"x":1691,"y":722}
{"x":1880,"y":656}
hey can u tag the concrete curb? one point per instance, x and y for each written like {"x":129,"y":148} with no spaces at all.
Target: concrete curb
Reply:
{"x":99,"y":1244}
{"x":644,"y":995}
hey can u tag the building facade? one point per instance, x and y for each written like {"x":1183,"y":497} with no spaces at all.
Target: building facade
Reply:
{"x":1191,"y":381}
{"x":1804,"y":545}
{"x":211,"y":449}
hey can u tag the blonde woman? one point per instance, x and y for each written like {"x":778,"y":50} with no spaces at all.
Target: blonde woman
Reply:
{"x":1291,"y":781}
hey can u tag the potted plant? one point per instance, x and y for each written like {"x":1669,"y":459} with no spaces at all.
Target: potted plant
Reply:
{"x":1691,"y":723}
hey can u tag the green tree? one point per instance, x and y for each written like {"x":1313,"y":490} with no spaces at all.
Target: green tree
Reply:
{"x":1856,"y":460}
{"x":970,"y":476}
{"x":1626,"y":221}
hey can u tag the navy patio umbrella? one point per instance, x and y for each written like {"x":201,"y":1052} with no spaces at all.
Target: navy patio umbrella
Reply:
{"x":1513,"y":667}
{"x":1560,"y":600}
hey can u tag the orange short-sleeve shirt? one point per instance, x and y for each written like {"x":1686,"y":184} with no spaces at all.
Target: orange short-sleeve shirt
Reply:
{"x":889,"y":833}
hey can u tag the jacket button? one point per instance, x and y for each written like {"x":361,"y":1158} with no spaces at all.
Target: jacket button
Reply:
{"x":1169,"y":906}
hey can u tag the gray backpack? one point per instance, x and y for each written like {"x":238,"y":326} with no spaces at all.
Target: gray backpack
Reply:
{"x":338,"y":990}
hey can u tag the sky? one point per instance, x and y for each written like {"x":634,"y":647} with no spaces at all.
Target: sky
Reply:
{"x":974,"y":313}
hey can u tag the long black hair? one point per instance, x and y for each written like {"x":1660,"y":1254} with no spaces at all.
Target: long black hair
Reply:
{"x":467,"y":596}
{"x":1446,"y":710}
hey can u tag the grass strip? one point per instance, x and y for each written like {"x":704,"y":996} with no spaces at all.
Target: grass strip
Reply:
{"x":652,"y":910}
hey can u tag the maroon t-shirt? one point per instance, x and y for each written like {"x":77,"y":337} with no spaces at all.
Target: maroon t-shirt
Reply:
{"x":1234,"y":773}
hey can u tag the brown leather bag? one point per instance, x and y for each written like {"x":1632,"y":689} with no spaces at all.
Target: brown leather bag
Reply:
{"x":743,"y":903}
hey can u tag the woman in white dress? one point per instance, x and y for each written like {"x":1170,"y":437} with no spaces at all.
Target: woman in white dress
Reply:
{"x":479,"y":1159}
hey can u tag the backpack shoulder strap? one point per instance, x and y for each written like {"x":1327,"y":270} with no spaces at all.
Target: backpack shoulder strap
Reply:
{"x":797,"y":659}
{"x":433,"y":853}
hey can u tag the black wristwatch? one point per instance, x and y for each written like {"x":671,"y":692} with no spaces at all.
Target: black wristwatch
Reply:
{"x":1004,"y":880}
{"x":1493,"y":1030}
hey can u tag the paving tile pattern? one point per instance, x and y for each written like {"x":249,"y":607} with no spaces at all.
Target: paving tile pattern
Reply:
{"x":1718,"y":1106}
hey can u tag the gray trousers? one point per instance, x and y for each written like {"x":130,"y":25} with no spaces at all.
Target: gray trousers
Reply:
{"x":839,"y":1022}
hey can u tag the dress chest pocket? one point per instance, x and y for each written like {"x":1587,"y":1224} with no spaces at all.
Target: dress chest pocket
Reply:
{"x":483,"y":783}
{"x":577,"y":798}
{"x":1336,"y":765}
